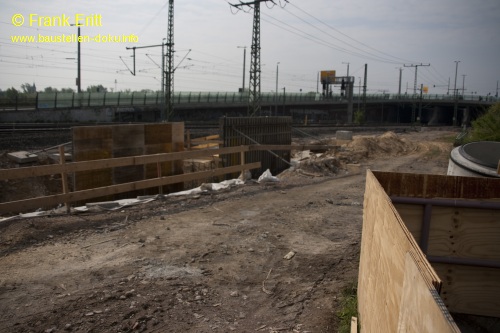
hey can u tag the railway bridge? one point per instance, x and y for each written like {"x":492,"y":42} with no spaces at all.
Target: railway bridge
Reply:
{"x":426,"y":109}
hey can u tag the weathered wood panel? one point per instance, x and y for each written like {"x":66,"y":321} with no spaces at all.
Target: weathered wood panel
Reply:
{"x":470,"y":290}
{"x":438,"y":186}
{"x":99,"y":142}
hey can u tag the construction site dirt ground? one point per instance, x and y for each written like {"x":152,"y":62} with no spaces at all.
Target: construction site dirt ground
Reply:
{"x":212,"y":262}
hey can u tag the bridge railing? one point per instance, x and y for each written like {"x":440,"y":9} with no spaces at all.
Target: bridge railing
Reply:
{"x":137,"y":99}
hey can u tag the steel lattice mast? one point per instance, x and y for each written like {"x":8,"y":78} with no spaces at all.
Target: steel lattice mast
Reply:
{"x":169,"y":75}
{"x":254,"y":97}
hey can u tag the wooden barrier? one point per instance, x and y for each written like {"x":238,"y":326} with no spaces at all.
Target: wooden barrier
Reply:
{"x":72,"y":167}
{"x":456,"y":222}
{"x":390,"y":262}
{"x":413,"y":221}
{"x":69,"y":168}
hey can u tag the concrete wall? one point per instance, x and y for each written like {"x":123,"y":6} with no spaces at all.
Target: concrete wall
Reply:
{"x":54,"y":116}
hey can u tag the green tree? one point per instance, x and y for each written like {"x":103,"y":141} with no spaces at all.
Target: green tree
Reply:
{"x":11,"y":93}
{"x":99,"y":88}
{"x":67,"y":90}
{"x":28,"y":88}
{"x":50,"y":90}
{"x":487,"y":126}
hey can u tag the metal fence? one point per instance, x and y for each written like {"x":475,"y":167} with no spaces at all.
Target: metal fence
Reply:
{"x":131,"y":99}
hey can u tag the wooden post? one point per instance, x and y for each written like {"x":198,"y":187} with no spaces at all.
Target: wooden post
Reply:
{"x":188,"y":139}
{"x":158,"y":168}
{"x":64,"y":178}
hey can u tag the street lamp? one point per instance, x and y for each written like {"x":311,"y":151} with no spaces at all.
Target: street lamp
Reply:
{"x":276,"y":98}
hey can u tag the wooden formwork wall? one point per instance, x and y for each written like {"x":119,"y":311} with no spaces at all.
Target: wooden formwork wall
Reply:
{"x":397,"y":288}
{"x":461,"y":240}
{"x":101,"y":142}
{"x":258,"y":130}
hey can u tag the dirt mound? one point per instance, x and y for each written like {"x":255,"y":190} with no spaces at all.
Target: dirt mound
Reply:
{"x":363,"y":147}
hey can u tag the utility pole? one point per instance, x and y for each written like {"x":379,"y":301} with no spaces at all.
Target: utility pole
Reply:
{"x":276,"y":95}
{"x":463,"y":85}
{"x":254,"y":98}
{"x":347,"y":68}
{"x":79,"y":79}
{"x":455,"y":95}
{"x":400,"y":77}
{"x":416,"y":68}
{"x":364,"y":91}
{"x":244,"y":66}
{"x":415,"y":89}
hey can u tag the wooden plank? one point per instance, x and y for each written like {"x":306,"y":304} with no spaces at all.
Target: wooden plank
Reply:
{"x":215,"y":137}
{"x":465,"y":233}
{"x":470,"y":290}
{"x":421,"y":309}
{"x":205,"y":146}
{"x":498,"y":168}
{"x":113,"y":162}
{"x":53,"y":200}
{"x":292,"y":147}
{"x":354,"y":325}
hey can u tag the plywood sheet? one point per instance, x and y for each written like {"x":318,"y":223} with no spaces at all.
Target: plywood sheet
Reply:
{"x":92,"y":143}
{"x":385,"y":242}
{"x":99,"y":142}
{"x":422,"y":310}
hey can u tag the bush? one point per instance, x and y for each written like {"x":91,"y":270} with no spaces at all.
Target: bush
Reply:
{"x":487,"y":126}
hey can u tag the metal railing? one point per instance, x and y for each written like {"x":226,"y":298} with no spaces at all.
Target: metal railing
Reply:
{"x":136,"y":99}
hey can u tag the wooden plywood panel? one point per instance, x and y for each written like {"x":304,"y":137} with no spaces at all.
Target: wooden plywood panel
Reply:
{"x":157,"y":133}
{"x":385,"y":242}
{"x":470,"y":290}
{"x":98,"y":142}
{"x":92,"y":143}
{"x":128,"y":136}
{"x":422,"y":310}
{"x":128,"y":140}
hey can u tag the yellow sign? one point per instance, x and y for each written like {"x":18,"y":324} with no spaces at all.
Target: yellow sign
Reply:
{"x":327,"y":77}
{"x":425,"y":89}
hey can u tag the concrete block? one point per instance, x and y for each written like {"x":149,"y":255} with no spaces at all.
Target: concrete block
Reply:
{"x":22,"y":157}
{"x":343,"y":135}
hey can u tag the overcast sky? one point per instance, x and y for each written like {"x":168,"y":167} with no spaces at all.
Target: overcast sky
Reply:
{"x":305,"y":37}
